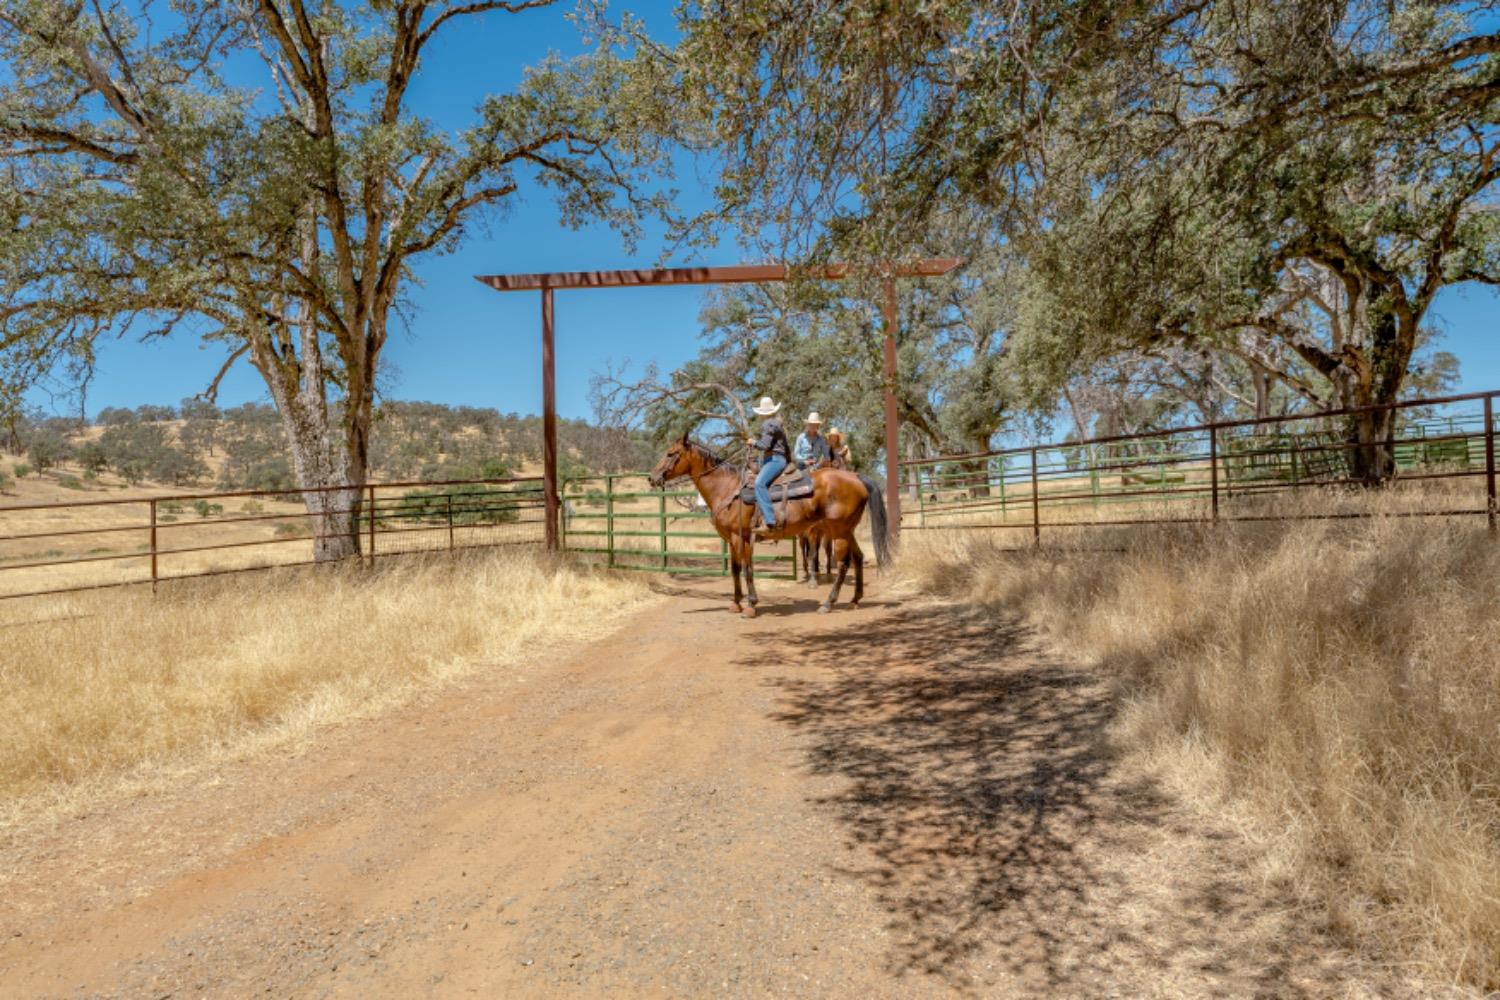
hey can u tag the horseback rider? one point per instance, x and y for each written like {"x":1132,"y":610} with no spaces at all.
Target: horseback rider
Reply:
{"x":776,"y":452}
{"x":838,"y":450}
{"x":811,"y":449}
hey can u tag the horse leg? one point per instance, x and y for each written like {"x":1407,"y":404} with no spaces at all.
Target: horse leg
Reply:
{"x":734,"y":568}
{"x":749,"y":556}
{"x":808,"y":569}
{"x":859,"y":572}
{"x":841,"y":553}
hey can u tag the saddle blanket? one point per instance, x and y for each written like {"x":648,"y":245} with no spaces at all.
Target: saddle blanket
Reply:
{"x":782,"y":490}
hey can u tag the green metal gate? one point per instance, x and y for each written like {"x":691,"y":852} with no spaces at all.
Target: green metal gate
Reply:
{"x":620,"y":522}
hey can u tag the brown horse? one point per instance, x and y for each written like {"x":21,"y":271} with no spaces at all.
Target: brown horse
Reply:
{"x":815,"y":540}
{"x":838,"y":502}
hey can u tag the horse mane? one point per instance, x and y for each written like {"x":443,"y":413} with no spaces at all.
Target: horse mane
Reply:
{"x":713,"y":456}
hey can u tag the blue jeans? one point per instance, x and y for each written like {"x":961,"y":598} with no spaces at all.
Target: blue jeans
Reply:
{"x":769,"y":470}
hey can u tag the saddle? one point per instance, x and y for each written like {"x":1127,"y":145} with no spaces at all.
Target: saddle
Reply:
{"x":793,"y":484}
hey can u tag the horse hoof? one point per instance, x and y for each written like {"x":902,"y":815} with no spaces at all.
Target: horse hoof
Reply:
{"x":735,"y":608}
{"x":812,"y":583}
{"x":750,"y":612}
{"x":823,"y":609}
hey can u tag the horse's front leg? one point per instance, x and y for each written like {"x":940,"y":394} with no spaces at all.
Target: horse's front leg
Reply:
{"x":748,"y":548}
{"x":808,"y":560}
{"x":734,"y":568}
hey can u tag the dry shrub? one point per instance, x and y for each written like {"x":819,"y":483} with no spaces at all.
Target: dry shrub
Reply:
{"x":98,"y":689}
{"x":1333,"y":683}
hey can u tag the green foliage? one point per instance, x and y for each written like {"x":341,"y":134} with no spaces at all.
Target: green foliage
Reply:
{"x":70,"y":483}
{"x":293,"y":529}
{"x":22,"y":470}
{"x":140,"y":451}
{"x":150,"y":189}
{"x":204,"y":508}
{"x":473,"y":503}
{"x":46,"y":449}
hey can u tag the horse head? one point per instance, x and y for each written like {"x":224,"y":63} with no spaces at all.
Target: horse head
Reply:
{"x":676,"y":463}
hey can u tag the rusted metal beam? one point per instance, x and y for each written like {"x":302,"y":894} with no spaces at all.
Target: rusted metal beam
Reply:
{"x":892,"y":424}
{"x":734,"y":274}
{"x":549,"y":419}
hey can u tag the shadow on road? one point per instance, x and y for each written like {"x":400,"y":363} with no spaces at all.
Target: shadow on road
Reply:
{"x":980,"y":799}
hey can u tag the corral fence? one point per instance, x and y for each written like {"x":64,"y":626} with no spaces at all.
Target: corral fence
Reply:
{"x":620,"y":522}
{"x":60,"y":548}
{"x":1443,"y":453}
{"x":614,"y":521}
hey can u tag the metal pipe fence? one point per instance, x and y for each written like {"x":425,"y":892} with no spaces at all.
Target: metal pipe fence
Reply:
{"x":1441,"y":453}
{"x":62,"y":548}
{"x":663,"y":531}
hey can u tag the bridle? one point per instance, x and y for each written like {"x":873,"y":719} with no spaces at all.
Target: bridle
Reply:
{"x":677,"y":482}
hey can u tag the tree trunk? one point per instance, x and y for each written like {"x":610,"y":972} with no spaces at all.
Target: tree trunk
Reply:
{"x":332,"y":484}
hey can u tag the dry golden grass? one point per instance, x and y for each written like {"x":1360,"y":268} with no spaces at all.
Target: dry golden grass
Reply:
{"x":100,"y":690}
{"x":1334,"y":686}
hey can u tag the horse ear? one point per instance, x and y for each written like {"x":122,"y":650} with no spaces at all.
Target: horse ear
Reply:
{"x":684,"y":439}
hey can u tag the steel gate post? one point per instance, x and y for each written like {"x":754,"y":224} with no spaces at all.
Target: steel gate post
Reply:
{"x":1489,"y":459}
{"x":372,"y":524}
{"x":549,"y":420}
{"x":892,"y":425}
{"x":609,"y":520}
{"x":1036,"y":504}
{"x":661,"y":521}
{"x":1213,"y":469}
{"x":153,"y":544}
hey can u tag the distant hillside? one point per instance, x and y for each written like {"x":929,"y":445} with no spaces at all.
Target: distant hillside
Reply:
{"x":198,"y":445}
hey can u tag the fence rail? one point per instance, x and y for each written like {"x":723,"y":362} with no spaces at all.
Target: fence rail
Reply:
{"x":63,"y":548}
{"x":1225,"y":471}
{"x":129,"y":541}
{"x":595,"y":506}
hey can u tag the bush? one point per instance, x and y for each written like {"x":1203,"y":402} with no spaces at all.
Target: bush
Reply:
{"x":4,"y":480}
{"x":22,"y":470}
{"x":70,"y":483}
{"x":474,"y":503}
{"x":170,"y":506}
{"x":46,"y":449}
{"x":206,"y":509}
{"x":293,"y":529}
{"x":252,"y":507}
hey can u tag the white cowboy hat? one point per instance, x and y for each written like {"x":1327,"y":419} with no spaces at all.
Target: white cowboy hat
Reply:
{"x":813,"y":418}
{"x":767,"y":407}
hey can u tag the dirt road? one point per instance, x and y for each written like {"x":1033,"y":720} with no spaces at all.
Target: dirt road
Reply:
{"x":901,"y":801}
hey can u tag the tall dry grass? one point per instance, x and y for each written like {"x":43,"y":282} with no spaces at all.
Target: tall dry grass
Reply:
{"x":95,"y":691}
{"x":1334,"y":686}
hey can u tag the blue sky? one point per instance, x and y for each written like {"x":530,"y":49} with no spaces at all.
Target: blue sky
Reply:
{"x":470,"y":345}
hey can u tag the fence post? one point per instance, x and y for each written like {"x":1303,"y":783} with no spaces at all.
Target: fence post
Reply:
{"x":661,"y":521}
{"x":1213,"y":469}
{"x":1489,"y":459}
{"x":449,"y":497}
{"x":1036,"y":503}
{"x":153,"y":544}
{"x":372,"y":524}
{"x":609,"y":520}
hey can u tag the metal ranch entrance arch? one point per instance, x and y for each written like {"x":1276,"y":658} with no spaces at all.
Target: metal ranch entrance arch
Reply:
{"x":547,"y":283}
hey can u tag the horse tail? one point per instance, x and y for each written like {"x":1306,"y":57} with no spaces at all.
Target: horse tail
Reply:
{"x":878,"y":527}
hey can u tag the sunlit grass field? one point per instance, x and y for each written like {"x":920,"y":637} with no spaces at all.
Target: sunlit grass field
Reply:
{"x":1331,"y":685}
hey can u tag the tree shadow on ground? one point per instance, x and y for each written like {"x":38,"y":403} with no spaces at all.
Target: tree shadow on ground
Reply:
{"x":986,"y":808}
